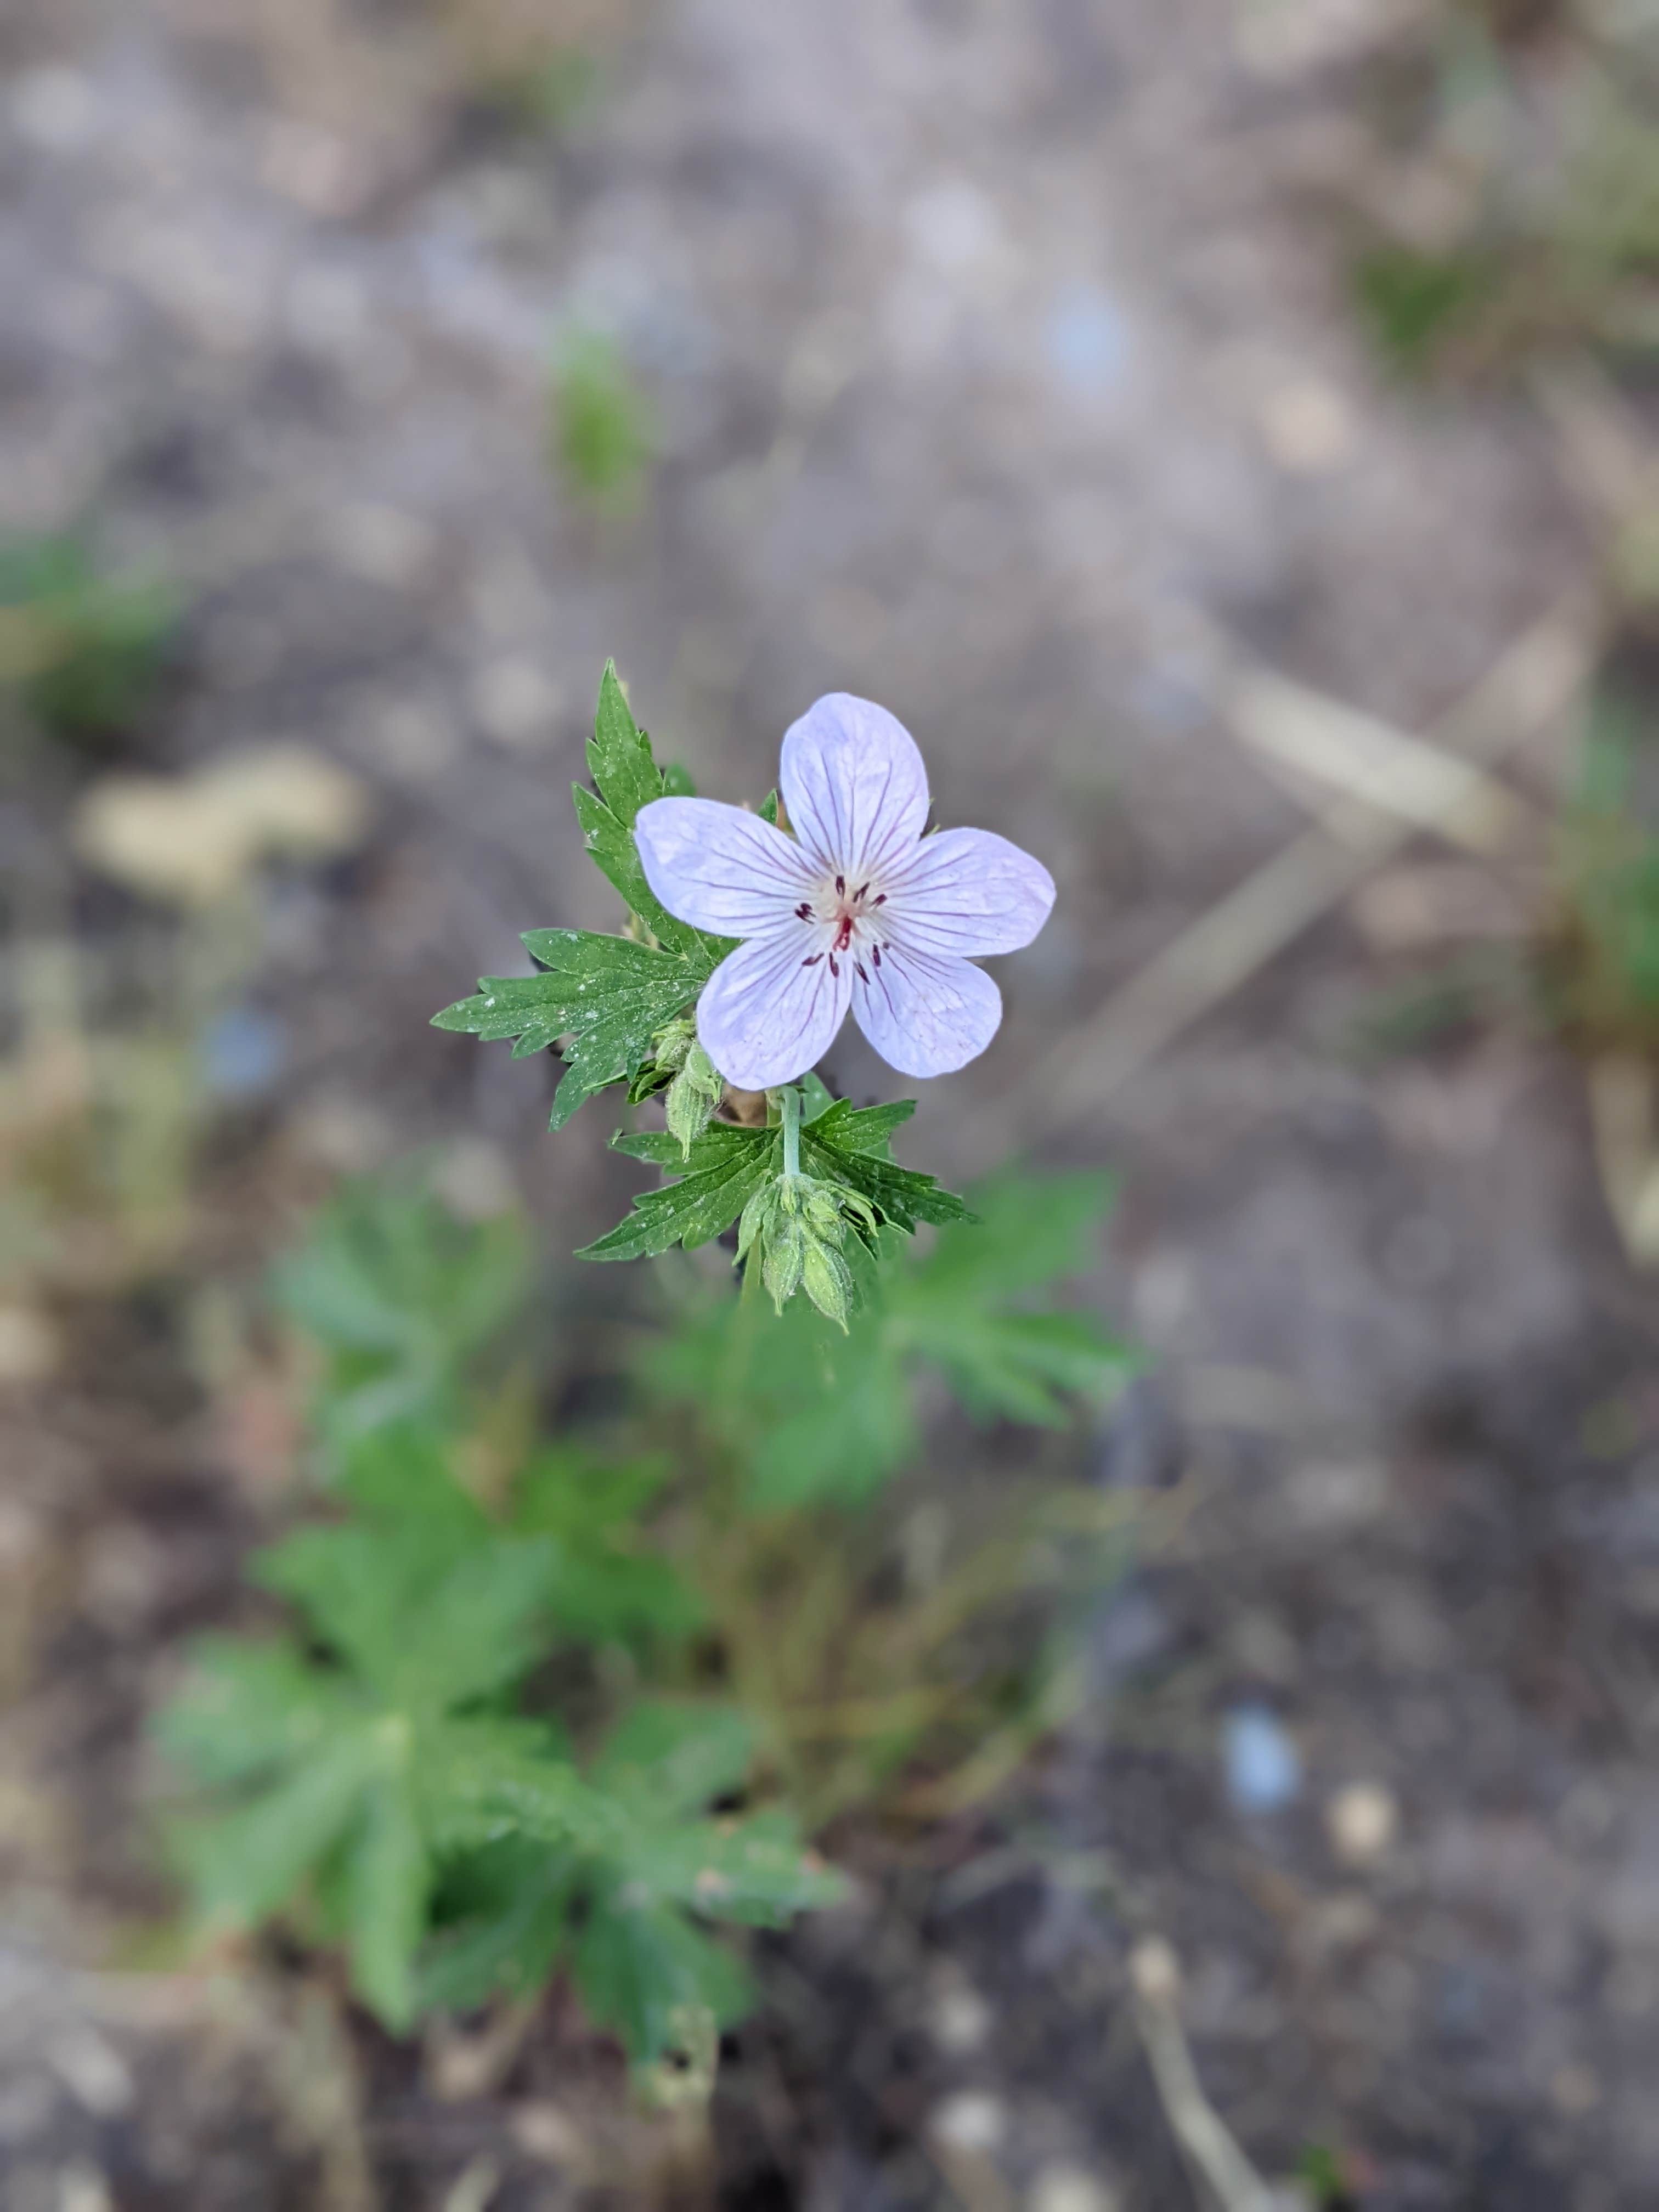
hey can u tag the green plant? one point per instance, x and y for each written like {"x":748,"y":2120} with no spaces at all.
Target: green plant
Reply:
{"x":82,"y":652}
{"x":491,"y":1751}
{"x":401,"y":1299}
{"x":378,"y":1782}
{"x":503,"y":1760}
{"x":602,"y":428}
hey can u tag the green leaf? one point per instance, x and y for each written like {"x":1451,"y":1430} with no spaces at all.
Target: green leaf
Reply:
{"x":752,"y":1871}
{"x":404,"y":1298}
{"x":850,"y":1146}
{"x":675,"y":1757}
{"x":504,"y":1923}
{"x":399,"y":1478}
{"x":480,"y":1779}
{"x":726,"y":1168}
{"x":957,"y":1305}
{"x":1032,"y":1231}
{"x":1022,"y":1366}
{"x":627,"y":778}
{"x":605,"y":1584}
{"x":248,"y":1708}
{"x":250,"y":1862}
{"x":639,"y":1966}
{"x":430,"y":1632}
{"x":727,"y":1165}
{"x":388,"y":1878}
{"x":607,"y":997}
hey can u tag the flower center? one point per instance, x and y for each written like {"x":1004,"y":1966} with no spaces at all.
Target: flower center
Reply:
{"x":847,"y":917}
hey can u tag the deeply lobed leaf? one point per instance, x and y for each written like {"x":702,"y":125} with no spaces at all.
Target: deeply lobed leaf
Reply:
{"x":606,"y":997}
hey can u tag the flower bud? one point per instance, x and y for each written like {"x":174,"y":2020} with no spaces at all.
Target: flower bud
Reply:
{"x":783,"y":1259}
{"x":828,"y":1281}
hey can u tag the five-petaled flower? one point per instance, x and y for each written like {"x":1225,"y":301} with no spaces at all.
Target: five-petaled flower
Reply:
{"x":857,"y":908}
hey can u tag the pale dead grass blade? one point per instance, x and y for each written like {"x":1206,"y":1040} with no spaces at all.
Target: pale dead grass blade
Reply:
{"x":1522,"y":694}
{"x":1220,"y":2169}
{"x":1368,"y":759}
{"x":1626,"y":1128}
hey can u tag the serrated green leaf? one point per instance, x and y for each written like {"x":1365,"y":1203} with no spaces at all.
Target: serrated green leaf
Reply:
{"x":850,"y":1146}
{"x":728,"y":1166}
{"x":606,"y":997}
{"x":619,"y":756}
{"x":627,"y":778}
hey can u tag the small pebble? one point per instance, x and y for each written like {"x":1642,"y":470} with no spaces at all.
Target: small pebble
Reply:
{"x":971,"y":2120}
{"x":961,"y":2021}
{"x":1574,"y":2091}
{"x":242,"y":1053}
{"x":1262,"y":1764}
{"x":1362,"y":1821}
{"x":1308,"y":427}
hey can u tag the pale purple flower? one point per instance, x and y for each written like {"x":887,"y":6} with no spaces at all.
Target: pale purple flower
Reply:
{"x":857,"y":909}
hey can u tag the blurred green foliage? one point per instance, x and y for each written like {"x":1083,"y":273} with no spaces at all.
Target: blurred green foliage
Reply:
{"x":811,"y":1417}
{"x":1515,"y":205}
{"x":602,"y":428}
{"x":401,"y":1299}
{"x":532,"y":1727}
{"x":81,"y":653}
{"x":375,"y":1780}
{"x":1601,"y":966}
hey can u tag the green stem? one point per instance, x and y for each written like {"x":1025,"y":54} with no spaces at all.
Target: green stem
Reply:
{"x":789,"y":1102}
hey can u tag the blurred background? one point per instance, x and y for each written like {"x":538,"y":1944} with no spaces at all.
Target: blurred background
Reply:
{"x":1227,"y":435}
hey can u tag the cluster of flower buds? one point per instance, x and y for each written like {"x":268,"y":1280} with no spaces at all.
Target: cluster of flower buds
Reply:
{"x":697,"y":1088}
{"x":795,"y":1226}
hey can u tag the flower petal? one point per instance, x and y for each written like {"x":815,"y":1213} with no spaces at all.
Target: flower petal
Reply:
{"x":969,"y":892}
{"x":925,"y":1014}
{"x":854,"y":784}
{"x":719,"y":868}
{"x":765,"y":1015}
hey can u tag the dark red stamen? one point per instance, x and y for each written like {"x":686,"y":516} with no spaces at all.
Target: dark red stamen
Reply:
{"x":859,"y":892}
{"x":858,"y":964}
{"x":812,"y":960}
{"x":880,"y":899}
{"x":875,"y":954}
{"x":841,"y":885}
{"x":834,"y":971}
{"x":804,"y":909}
